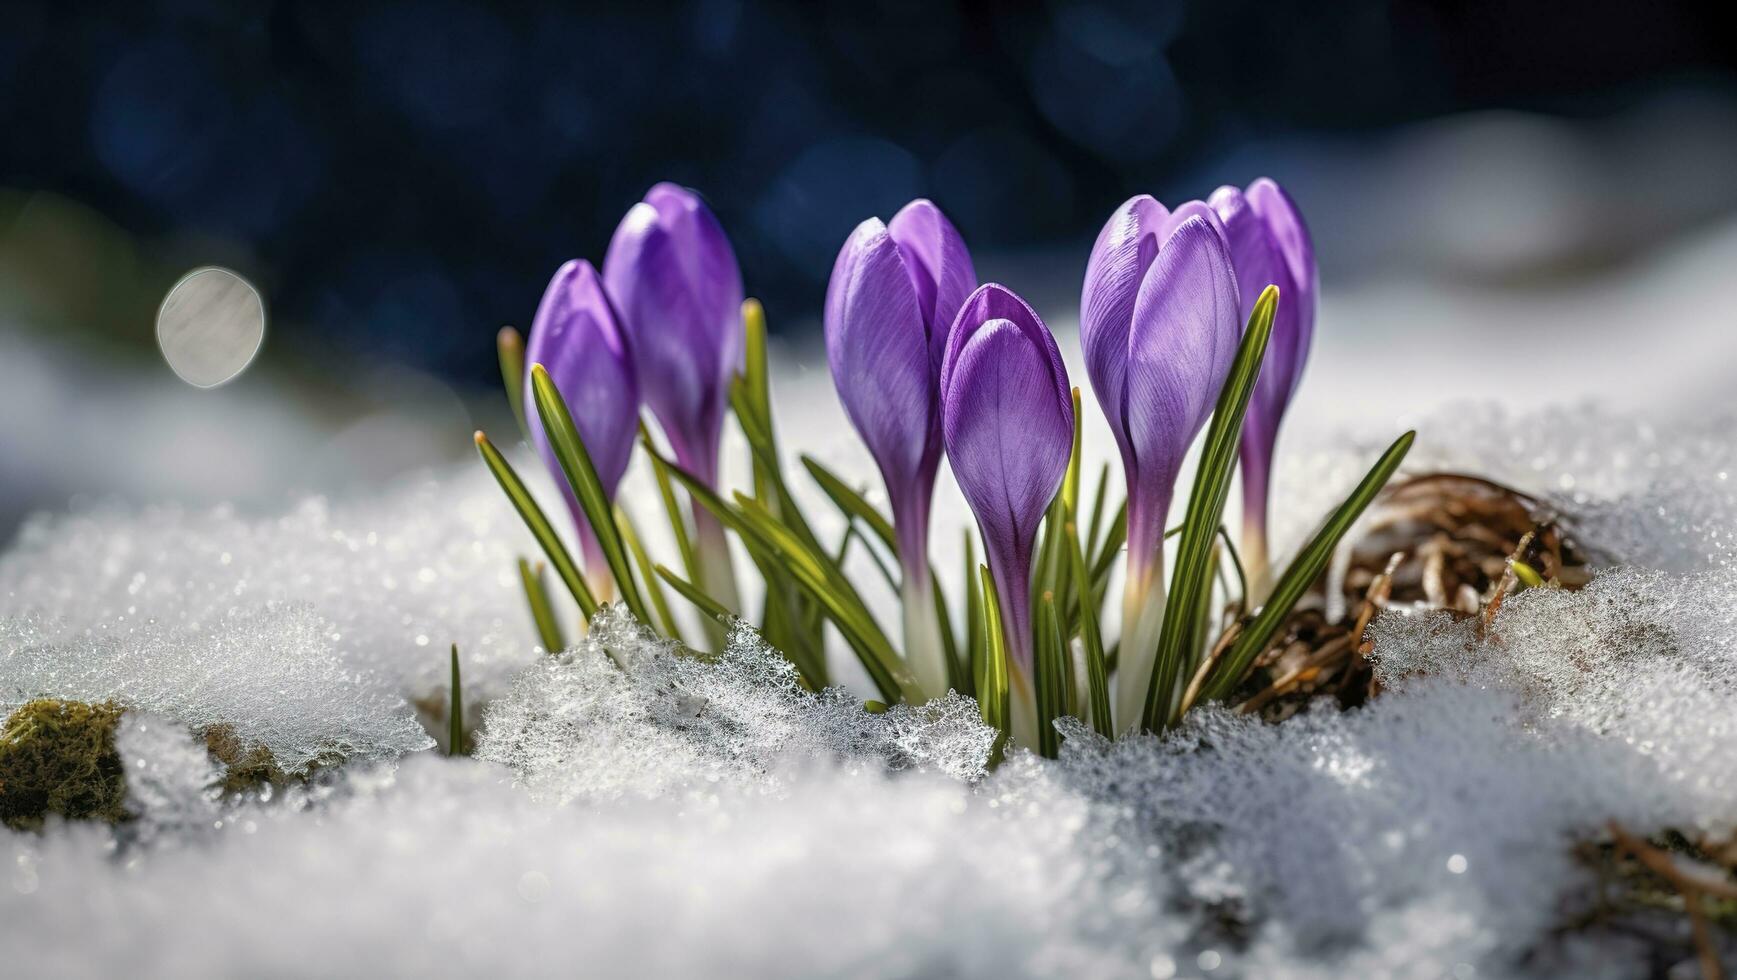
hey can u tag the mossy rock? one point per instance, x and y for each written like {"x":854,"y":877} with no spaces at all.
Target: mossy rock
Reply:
{"x":246,"y":767}
{"x":59,"y":757}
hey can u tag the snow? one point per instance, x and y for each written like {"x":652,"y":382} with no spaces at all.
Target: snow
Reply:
{"x":679,"y":815}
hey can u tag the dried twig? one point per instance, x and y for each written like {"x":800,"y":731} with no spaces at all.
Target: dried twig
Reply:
{"x":1693,"y":881}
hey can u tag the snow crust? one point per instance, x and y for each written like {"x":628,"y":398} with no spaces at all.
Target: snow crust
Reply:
{"x":676,"y":816}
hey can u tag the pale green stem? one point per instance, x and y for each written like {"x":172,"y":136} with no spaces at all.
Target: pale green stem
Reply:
{"x":1022,"y":707}
{"x":1255,"y":563}
{"x":1143,"y":600}
{"x":717,"y":576}
{"x":924,"y":649}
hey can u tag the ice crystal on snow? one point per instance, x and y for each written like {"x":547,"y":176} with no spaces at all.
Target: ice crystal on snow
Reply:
{"x":272,"y":676}
{"x":625,"y":712}
{"x":396,"y":578}
{"x":668,"y":815}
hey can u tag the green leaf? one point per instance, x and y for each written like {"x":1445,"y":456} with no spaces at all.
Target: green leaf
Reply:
{"x":958,"y":669}
{"x":828,"y":586}
{"x":1528,"y":576}
{"x":1241,"y":578}
{"x":1098,"y":500}
{"x":696,"y":595}
{"x":974,"y":648}
{"x":851,"y":503}
{"x":1178,"y":639}
{"x":817,"y":577}
{"x":1070,"y":488}
{"x":510,"y":348}
{"x":455,"y":718}
{"x":569,"y":450}
{"x":537,"y":596}
{"x":641,"y":561}
{"x":1050,"y":662}
{"x":753,"y":406}
{"x":1300,"y":574}
{"x":1097,"y":674}
{"x":1052,"y":566}
{"x":538,"y":522}
{"x":678,"y":522}
{"x":994,"y":698}
{"x":1105,"y":560}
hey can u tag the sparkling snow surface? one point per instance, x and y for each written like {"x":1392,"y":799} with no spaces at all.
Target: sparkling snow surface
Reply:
{"x":683,"y":818}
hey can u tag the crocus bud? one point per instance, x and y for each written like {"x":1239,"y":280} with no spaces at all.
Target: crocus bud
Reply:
{"x":578,"y":339}
{"x":1270,"y":246}
{"x":674,"y":279}
{"x":1008,"y":422}
{"x":895,"y":291}
{"x":1158,"y":325}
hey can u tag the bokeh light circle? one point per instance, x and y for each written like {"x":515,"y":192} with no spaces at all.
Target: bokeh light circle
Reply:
{"x":210,"y":326}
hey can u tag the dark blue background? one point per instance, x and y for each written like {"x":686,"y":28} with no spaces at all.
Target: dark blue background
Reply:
{"x":404,"y":177}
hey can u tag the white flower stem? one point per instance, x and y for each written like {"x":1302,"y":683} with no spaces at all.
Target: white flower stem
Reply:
{"x":717,"y":576}
{"x":1142,"y":619}
{"x":1255,"y":563}
{"x":924,"y":649}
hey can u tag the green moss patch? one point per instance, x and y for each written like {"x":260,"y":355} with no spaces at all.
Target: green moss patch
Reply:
{"x":59,"y":757}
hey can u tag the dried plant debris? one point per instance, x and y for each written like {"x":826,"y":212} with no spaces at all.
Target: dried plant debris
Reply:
{"x":1439,"y":541}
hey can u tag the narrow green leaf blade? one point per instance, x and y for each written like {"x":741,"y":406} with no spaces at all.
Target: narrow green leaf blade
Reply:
{"x":542,"y":613}
{"x":538,"y":522}
{"x":851,"y":503}
{"x":974,"y":648}
{"x":1193,"y":572}
{"x":1302,"y":571}
{"x":642,"y":561}
{"x":678,"y":522}
{"x":1097,"y":675}
{"x":994,"y":693}
{"x":569,"y":450}
{"x":695,"y":595}
{"x":1050,"y":681}
{"x":510,"y":348}
{"x":455,"y":712}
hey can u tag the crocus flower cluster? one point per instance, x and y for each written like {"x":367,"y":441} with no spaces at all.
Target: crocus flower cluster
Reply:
{"x":895,"y":291}
{"x":928,"y":364}
{"x":664,"y":321}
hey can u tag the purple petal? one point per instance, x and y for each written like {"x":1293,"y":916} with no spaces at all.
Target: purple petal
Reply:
{"x":877,"y":348}
{"x":577,"y":337}
{"x":1291,"y":237}
{"x":1270,"y":246}
{"x":1007,"y":418}
{"x":940,"y":267}
{"x":675,"y":281}
{"x":1123,"y":252}
{"x":1185,"y":326}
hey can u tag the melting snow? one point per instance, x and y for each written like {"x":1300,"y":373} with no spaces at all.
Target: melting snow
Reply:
{"x":681,"y":817}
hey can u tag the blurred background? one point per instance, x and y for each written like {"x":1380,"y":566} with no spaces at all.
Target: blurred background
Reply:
{"x":1523,"y":201}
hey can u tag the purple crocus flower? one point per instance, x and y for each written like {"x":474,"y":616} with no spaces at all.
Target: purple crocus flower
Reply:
{"x":674,"y":278}
{"x":1007,"y":420}
{"x":578,"y":339}
{"x":1271,"y":246}
{"x":895,"y":291}
{"x":1158,"y":325}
